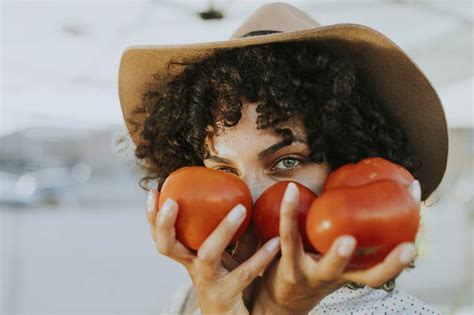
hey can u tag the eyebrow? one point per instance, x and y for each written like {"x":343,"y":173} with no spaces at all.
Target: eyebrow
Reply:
{"x":262,"y":155}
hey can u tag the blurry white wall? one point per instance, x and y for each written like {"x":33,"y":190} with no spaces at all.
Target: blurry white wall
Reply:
{"x":85,"y":247}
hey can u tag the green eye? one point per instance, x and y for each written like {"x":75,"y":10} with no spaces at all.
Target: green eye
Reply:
{"x":227,"y":170}
{"x":287,"y":163}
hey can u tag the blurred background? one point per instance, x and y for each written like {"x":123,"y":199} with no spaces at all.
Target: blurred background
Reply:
{"x":73,"y":233}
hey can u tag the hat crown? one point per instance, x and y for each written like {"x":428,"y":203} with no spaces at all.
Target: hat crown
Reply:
{"x":275,"y":18}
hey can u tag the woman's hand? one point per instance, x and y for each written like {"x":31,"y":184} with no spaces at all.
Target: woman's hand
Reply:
{"x":298,"y":281}
{"x":219,"y":290}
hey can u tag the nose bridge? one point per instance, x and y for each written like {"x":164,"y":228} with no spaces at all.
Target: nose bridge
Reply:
{"x":257,"y":183}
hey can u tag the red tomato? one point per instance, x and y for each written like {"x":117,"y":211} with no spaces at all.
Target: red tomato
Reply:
{"x":369,"y":200}
{"x":266,"y":212}
{"x":367,"y":171}
{"x":204,"y":196}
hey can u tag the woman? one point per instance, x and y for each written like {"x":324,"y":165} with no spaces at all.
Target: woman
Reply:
{"x":268,"y":108}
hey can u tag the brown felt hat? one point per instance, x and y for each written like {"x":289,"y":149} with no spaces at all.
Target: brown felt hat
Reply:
{"x":390,"y":75}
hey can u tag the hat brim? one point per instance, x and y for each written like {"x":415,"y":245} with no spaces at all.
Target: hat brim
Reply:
{"x":390,"y":75}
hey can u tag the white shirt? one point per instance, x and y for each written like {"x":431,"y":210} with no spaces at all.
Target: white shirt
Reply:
{"x":342,"y":301}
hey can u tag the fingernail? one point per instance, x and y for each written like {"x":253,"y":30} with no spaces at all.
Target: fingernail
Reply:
{"x":166,"y":209}
{"x":273,"y":244}
{"x":150,"y":200}
{"x":291,"y":192}
{"x":415,"y":190}
{"x":236,"y":214}
{"x":346,"y":246}
{"x":408,"y":253}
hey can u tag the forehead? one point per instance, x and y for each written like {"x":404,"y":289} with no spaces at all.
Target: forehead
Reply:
{"x":245,"y":135}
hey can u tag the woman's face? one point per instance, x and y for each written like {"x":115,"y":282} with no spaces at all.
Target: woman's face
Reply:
{"x":258,"y":159}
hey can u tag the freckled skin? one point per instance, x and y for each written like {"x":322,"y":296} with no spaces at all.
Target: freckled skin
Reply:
{"x":242,"y":143}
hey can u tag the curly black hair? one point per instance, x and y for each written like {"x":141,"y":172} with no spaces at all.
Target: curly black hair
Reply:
{"x":286,"y":79}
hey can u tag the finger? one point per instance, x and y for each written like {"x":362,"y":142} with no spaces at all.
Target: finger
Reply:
{"x":315,"y":257}
{"x":243,"y":275}
{"x":166,"y":241}
{"x":151,"y":210}
{"x":230,"y":262}
{"x":399,"y":258}
{"x":291,"y":243}
{"x":332,"y":264}
{"x":211,"y":250}
{"x":247,"y":245}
